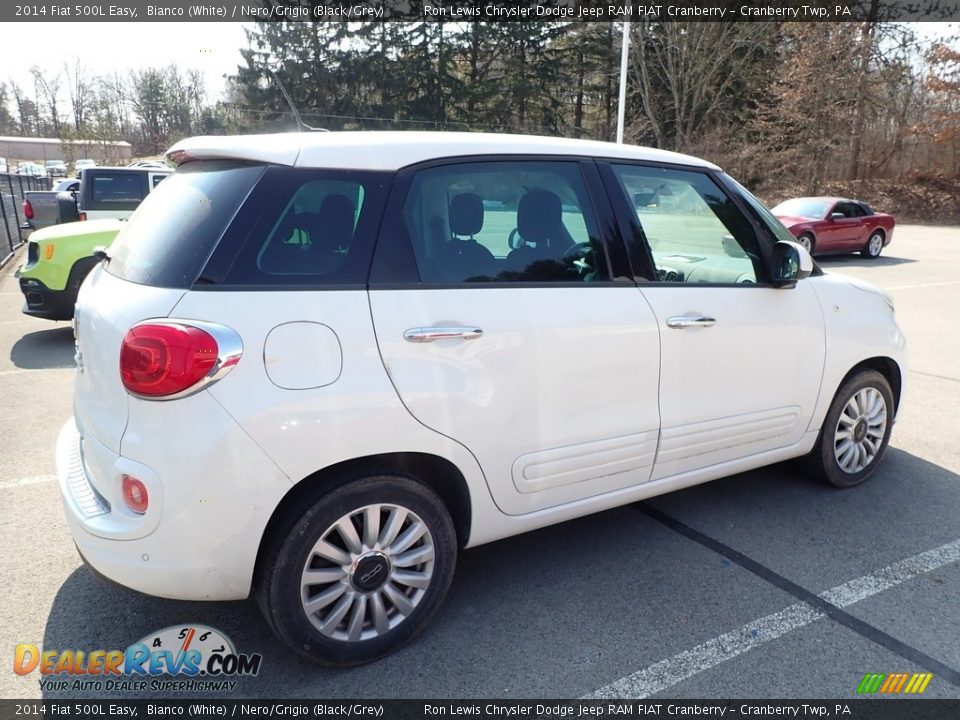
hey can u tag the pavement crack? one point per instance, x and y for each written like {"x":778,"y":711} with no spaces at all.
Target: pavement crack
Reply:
{"x":831,"y":610}
{"x":934,"y":375}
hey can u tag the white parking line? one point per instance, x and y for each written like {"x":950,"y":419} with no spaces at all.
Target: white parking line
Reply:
{"x":20,"y":482}
{"x":670,"y":671}
{"x":18,"y":371}
{"x":922,"y":285}
{"x":23,"y":371}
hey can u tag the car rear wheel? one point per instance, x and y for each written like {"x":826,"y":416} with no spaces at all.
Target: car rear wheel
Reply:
{"x":806,"y":239}
{"x":361,"y":572}
{"x":856,"y":431}
{"x":874,"y":245}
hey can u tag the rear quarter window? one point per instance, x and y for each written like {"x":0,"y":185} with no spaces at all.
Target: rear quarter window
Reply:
{"x":302,"y":228}
{"x":169,"y":238}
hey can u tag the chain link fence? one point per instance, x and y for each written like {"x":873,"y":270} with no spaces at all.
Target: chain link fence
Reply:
{"x":12,"y":188}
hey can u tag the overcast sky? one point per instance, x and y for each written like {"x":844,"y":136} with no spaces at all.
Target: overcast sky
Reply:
{"x":213,"y":48}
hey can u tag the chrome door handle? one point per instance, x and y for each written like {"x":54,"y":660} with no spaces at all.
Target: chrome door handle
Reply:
{"x":429,"y":334}
{"x":686,"y":321}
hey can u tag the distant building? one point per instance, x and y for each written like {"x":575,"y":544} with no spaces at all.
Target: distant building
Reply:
{"x":40,"y":149}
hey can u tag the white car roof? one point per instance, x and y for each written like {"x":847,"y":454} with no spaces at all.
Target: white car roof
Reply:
{"x":387,"y":150}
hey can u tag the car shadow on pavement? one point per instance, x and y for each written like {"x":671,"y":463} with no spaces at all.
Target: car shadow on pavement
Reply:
{"x":44,"y":349}
{"x":557,"y":612}
{"x":841,"y":261}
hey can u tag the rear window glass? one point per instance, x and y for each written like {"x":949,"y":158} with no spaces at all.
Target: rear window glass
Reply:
{"x":118,"y":187}
{"x":167,"y":240}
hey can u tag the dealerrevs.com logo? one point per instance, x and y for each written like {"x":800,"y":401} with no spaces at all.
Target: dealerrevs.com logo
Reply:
{"x":200,"y":657}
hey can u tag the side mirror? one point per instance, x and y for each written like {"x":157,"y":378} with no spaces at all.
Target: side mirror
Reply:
{"x":837,"y":216}
{"x":791,"y":262}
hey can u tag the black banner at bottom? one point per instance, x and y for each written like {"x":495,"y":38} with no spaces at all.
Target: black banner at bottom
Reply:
{"x":885,"y":709}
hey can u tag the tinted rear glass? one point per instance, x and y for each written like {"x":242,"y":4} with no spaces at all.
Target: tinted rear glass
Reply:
{"x":118,"y":188}
{"x":301,"y":227}
{"x":168,"y":238}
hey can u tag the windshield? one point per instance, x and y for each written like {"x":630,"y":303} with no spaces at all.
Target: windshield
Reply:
{"x":168,"y":239}
{"x":803,"y":207}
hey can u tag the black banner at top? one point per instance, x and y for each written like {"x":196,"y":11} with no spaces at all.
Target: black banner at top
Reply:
{"x":480,"y":10}
{"x":656,"y":709}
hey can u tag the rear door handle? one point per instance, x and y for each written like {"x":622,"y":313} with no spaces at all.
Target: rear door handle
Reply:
{"x":429,"y":334}
{"x":685,"y":321}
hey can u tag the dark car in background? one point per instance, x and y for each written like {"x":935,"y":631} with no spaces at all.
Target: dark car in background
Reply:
{"x":826,"y":225}
{"x":56,"y":168}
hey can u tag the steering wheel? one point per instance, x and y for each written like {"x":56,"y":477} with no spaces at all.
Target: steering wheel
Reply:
{"x":578,"y":254}
{"x":580,"y":249}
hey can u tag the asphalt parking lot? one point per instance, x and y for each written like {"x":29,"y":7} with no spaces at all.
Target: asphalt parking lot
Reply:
{"x":762,"y":585}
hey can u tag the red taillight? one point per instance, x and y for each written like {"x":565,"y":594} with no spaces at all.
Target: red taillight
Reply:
{"x":158,"y":360}
{"x":135,"y":494}
{"x":27,"y":210}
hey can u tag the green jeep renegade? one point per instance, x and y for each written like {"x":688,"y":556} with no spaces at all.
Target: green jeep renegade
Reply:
{"x":58,"y":259}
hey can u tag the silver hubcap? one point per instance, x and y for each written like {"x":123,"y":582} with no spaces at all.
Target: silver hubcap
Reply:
{"x":805,"y":241}
{"x":876,"y":244}
{"x":367,"y":572}
{"x":860,"y":431}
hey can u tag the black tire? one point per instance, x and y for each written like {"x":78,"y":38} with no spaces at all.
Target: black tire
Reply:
{"x":869,"y":252}
{"x":810,"y":244}
{"x":823,"y":459}
{"x":278,"y":589}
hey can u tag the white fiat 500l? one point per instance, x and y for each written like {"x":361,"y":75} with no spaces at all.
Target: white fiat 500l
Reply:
{"x":312,"y":367}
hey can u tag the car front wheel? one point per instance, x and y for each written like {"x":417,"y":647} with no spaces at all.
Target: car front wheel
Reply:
{"x":806,"y":239}
{"x":874,"y":246}
{"x":361,"y":572}
{"x":856,"y":430}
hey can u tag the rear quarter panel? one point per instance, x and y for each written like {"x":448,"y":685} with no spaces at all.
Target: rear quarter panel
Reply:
{"x":356,"y":414}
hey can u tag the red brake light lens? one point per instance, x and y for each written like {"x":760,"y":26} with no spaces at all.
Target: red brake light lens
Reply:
{"x":27,"y":210}
{"x":135,"y":494}
{"x":158,"y":360}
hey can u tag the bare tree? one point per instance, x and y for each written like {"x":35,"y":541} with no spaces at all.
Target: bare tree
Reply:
{"x":79,"y":88}
{"x":48,"y":91}
{"x":685,"y":74}
{"x":28,"y":119}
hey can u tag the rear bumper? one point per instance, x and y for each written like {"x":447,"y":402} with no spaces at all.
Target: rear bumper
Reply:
{"x":195,"y":542}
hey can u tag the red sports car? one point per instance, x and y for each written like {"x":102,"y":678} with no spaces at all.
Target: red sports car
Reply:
{"x":827,"y":225}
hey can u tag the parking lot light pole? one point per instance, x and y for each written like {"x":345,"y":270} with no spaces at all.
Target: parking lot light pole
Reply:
{"x":621,"y":104}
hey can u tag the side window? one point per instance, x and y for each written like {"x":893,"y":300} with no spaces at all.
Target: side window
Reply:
{"x":308,"y":231}
{"x":850,"y":210}
{"x":695,"y":232}
{"x":156,"y":180}
{"x":489,"y":222}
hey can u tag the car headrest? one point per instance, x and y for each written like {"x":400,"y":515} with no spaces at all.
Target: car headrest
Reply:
{"x":298,"y":228}
{"x":336,"y":219}
{"x":539,"y":216}
{"x":466,"y":214}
